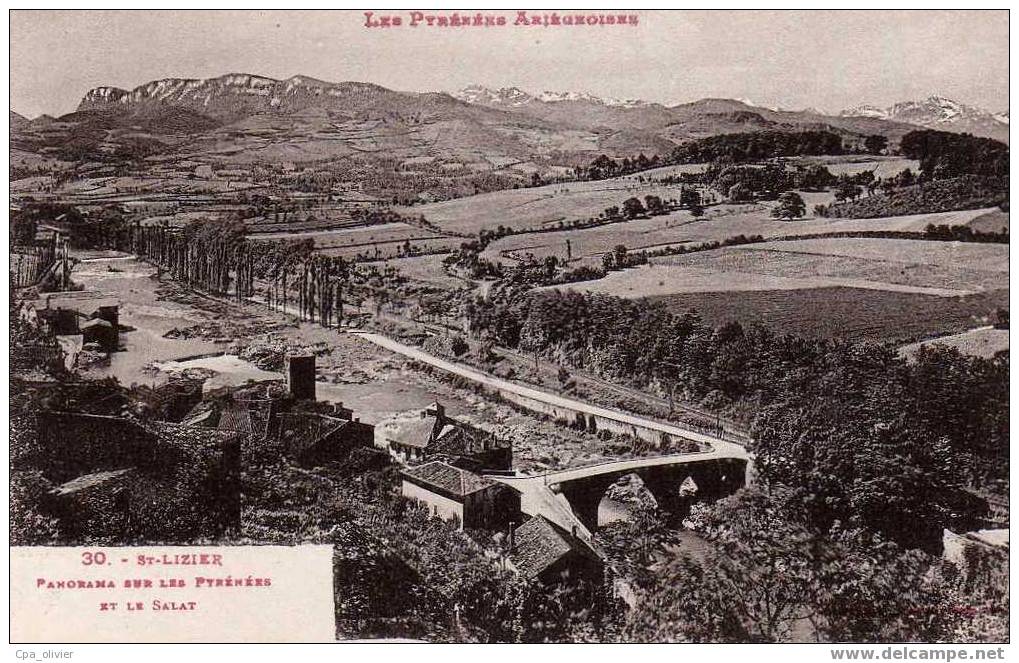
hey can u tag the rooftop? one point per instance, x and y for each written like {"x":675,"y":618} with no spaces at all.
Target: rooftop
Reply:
{"x":538,"y":545}
{"x":992,"y":537}
{"x":305,"y":429}
{"x":183,"y":435}
{"x":409,"y":431}
{"x":446,"y":478}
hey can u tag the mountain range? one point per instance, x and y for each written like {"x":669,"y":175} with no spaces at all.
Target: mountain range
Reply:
{"x":244,"y":118}
{"x":940,"y":113}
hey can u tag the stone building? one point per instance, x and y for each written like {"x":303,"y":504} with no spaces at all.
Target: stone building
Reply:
{"x":313,"y":438}
{"x":420,"y":435}
{"x":461,"y":496}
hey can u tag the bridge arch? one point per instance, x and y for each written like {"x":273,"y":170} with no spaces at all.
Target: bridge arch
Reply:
{"x":675,"y":487}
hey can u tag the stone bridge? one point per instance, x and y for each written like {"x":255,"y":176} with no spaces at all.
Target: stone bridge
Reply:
{"x":570,"y":497}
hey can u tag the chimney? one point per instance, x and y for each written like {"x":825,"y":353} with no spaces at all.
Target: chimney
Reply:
{"x":436,"y":410}
{"x":343,"y":412}
{"x":301,"y":376}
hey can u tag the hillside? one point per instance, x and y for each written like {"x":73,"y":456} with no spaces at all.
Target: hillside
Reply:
{"x":706,"y":117}
{"x":403,"y":146}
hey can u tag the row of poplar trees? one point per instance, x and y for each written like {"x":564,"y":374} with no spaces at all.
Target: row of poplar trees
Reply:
{"x":218,"y":259}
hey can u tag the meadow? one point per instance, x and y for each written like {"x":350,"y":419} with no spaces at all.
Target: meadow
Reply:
{"x":719,"y":223}
{"x":854,"y":314}
{"x":948,"y":269}
{"x":983,"y":342}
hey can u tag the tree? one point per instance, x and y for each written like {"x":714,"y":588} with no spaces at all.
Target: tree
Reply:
{"x":740,"y":193}
{"x":654,"y":205}
{"x":875,"y":144}
{"x":632,"y":208}
{"x":846,"y":190}
{"x":765,"y":574}
{"x":790,"y":206}
{"x":620,"y":256}
{"x":689,"y":198}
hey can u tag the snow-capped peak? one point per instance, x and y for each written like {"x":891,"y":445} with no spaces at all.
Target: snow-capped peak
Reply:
{"x":866,"y":110}
{"x":935,"y":109}
{"x":513,"y":96}
{"x":506,"y":96}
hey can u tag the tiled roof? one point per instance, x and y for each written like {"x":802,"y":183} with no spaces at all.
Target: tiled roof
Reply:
{"x":437,"y":435}
{"x":446,"y":478}
{"x":234,"y":416}
{"x":200,"y":415}
{"x":538,"y":545}
{"x":411,"y":432}
{"x":303,"y":430}
{"x":992,"y":537}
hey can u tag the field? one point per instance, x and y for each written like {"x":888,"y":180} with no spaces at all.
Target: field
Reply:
{"x":379,"y":241}
{"x":535,"y":207}
{"x":948,"y":269}
{"x":720,"y":222}
{"x":392,"y":249}
{"x":424,"y":269}
{"x":990,"y":222}
{"x":983,"y":342}
{"x":848,"y":165}
{"x":844,"y":313}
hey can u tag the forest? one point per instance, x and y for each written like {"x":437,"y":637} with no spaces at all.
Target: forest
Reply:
{"x":758,"y":145}
{"x":893,"y":446}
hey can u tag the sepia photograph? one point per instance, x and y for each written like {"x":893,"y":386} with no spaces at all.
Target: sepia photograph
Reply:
{"x":510,"y":326}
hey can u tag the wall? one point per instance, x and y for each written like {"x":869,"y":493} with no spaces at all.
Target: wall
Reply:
{"x":440,"y":506}
{"x":492,"y":508}
{"x":590,"y":422}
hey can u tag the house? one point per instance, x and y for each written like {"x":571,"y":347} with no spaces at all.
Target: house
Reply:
{"x":419,"y":435}
{"x":461,"y":496}
{"x":313,"y":438}
{"x":540,"y":550}
{"x":274,"y":424}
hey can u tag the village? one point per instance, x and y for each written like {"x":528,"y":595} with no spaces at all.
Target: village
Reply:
{"x":679,"y":328}
{"x":458,"y":472}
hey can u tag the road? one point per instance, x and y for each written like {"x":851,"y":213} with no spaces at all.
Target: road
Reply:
{"x":528,"y":392}
{"x":536,"y":495}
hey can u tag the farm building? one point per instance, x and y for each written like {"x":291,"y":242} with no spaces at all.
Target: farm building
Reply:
{"x":417,"y":435}
{"x":461,"y":496}
{"x":266,"y":417}
{"x":93,"y":503}
{"x":311,"y":438}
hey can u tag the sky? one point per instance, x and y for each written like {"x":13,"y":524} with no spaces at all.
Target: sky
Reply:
{"x":791,"y":59}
